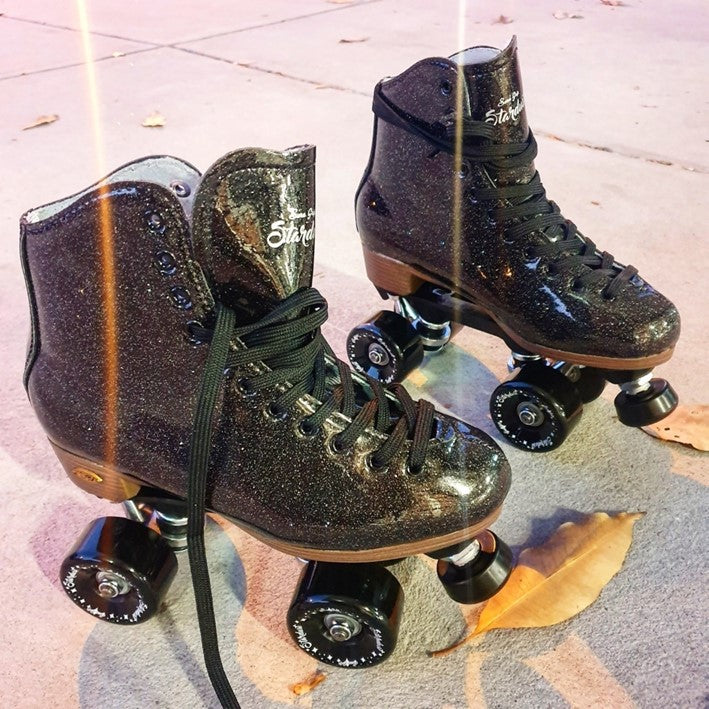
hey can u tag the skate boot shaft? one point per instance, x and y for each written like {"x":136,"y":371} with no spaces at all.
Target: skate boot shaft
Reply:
{"x":312,"y":466}
{"x":451,"y":197}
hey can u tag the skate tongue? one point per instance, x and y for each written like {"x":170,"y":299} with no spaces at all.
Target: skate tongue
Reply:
{"x":253,"y":227}
{"x":495,"y":89}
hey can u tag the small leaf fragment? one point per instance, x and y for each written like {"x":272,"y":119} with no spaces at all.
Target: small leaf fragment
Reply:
{"x":154,"y":120}
{"x":561,"y":15}
{"x":353,"y":41}
{"x":686,"y":424}
{"x":309,"y":684}
{"x":557,"y":580}
{"x":503,"y":20}
{"x":42,"y":121}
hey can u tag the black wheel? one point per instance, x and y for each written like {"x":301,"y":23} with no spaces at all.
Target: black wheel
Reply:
{"x":386,"y":348}
{"x":646,"y":407}
{"x":119,"y":571}
{"x":537,"y":408}
{"x":481,"y":577}
{"x":590,"y":383}
{"x":346,"y":615}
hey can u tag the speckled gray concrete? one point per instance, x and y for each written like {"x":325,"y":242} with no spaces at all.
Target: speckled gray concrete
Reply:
{"x":643,"y":642}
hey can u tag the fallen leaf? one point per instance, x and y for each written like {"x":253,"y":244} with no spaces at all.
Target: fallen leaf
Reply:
{"x":42,"y":121}
{"x":154,"y":120}
{"x":686,"y":424}
{"x":561,"y":15}
{"x":557,"y":580}
{"x":353,"y":41}
{"x":503,"y":20}
{"x":309,"y":684}
{"x":613,"y":3}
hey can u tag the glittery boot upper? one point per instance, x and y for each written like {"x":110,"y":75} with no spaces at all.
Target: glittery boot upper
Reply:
{"x":182,"y":248}
{"x":451,"y":190}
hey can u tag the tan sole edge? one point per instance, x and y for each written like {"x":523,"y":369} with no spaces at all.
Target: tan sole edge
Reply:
{"x":399,"y":278}
{"x":106,"y":482}
{"x":97,"y":478}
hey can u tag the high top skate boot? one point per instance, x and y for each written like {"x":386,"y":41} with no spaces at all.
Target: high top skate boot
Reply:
{"x":176,"y":364}
{"x":455,"y":222}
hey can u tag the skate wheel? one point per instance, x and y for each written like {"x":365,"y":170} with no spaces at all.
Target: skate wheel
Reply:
{"x":536,"y":409}
{"x":590,"y":384}
{"x":646,"y":407}
{"x":346,"y":615}
{"x":119,"y":571}
{"x":482,"y":577}
{"x":386,"y":348}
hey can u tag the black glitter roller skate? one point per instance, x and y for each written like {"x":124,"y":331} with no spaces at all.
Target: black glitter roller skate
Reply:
{"x":198,"y":380}
{"x":457,"y":228}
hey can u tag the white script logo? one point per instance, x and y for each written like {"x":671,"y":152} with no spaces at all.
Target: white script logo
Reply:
{"x":288,"y":231}
{"x":508,"y":110}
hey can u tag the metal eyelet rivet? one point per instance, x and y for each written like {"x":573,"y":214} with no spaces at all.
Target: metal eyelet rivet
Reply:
{"x":336,"y":447}
{"x":155,"y":222}
{"x":181,"y":297}
{"x":307,"y":429}
{"x":181,"y":189}
{"x":445,"y":87}
{"x":410,"y":470}
{"x":276,"y":412}
{"x":165,"y":263}
{"x":245,"y":387}
{"x":191,"y":332}
{"x":464,"y":170}
{"x":369,"y":462}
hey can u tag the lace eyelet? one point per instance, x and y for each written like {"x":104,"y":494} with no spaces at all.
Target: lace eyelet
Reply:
{"x":155,"y":222}
{"x":181,"y":189}
{"x":306,"y":428}
{"x":410,"y":470}
{"x":180,"y":297}
{"x":165,"y":263}
{"x":530,"y":252}
{"x":445,"y":87}
{"x":275,"y":412}
{"x":464,"y":170}
{"x":245,"y":387}
{"x":335,"y":447}
{"x":191,"y":334}
{"x":369,"y":462}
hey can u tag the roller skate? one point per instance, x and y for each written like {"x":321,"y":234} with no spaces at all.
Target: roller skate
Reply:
{"x":177,"y":366}
{"x":456,"y":227}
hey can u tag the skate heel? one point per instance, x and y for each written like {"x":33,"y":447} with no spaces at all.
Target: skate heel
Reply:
{"x":98,"y":479}
{"x":391,"y":275}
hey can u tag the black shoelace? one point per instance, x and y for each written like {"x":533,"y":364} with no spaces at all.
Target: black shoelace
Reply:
{"x":523,"y":207}
{"x":298,"y":362}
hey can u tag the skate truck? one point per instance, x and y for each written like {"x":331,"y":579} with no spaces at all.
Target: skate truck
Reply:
{"x":457,"y":229}
{"x":200,"y":381}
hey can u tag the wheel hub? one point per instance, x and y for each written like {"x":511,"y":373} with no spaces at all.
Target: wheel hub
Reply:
{"x":378,"y":355}
{"x":110,"y":585}
{"x":530,"y":414}
{"x":341,"y":627}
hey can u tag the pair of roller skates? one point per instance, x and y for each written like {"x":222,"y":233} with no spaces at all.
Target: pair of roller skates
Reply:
{"x":198,"y":380}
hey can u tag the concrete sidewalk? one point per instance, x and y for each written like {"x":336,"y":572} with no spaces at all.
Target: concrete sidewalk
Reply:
{"x":618,"y":102}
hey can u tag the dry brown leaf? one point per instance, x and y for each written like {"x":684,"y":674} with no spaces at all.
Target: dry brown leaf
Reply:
{"x":154,"y":120}
{"x":309,"y":684}
{"x":686,"y":424}
{"x":561,"y":15}
{"x":42,"y":121}
{"x":353,"y":41}
{"x":557,"y":580}
{"x":503,"y":20}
